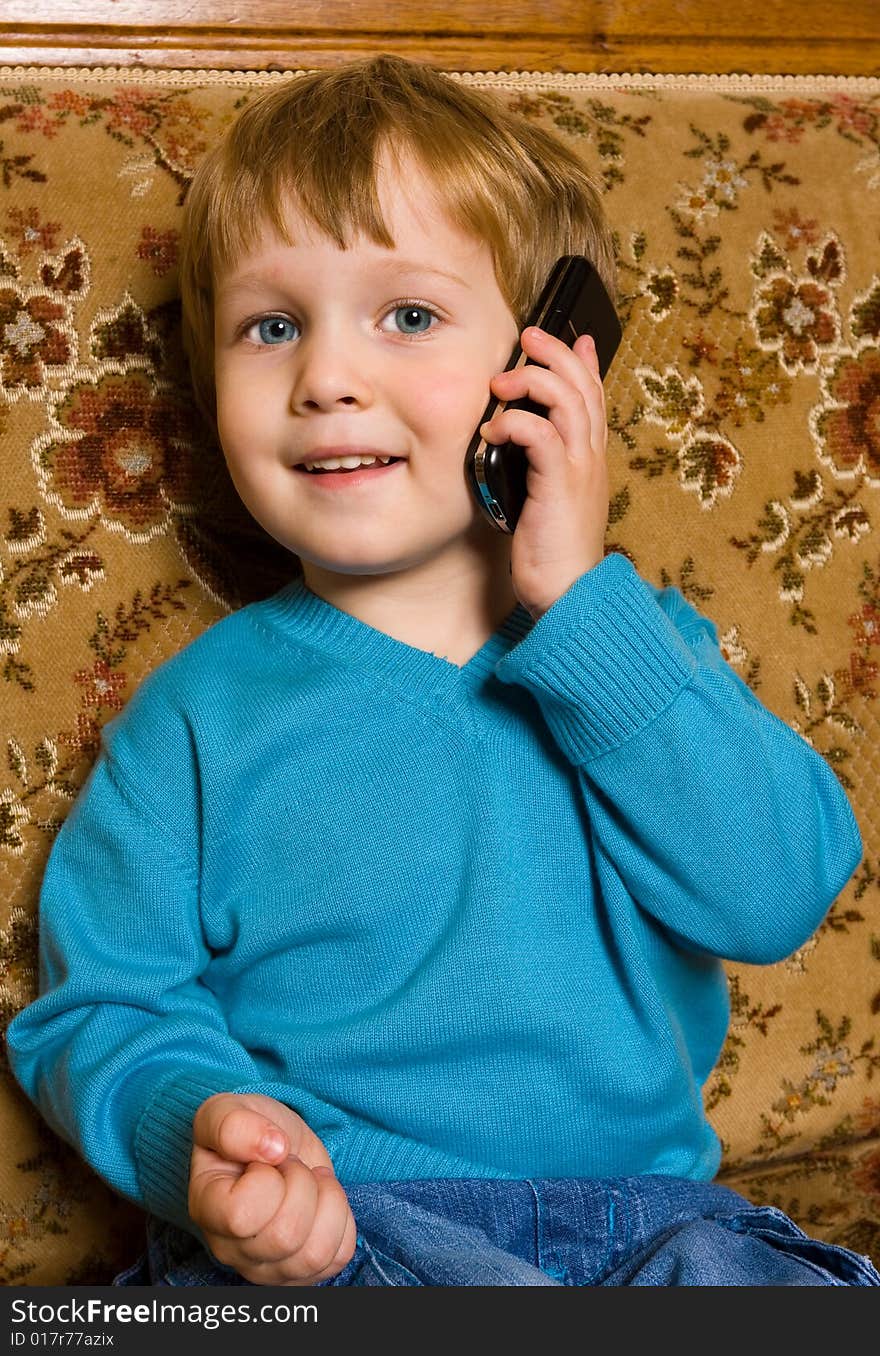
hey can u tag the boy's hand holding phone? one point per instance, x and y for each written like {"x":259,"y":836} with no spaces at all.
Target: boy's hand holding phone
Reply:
{"x":560,"y":531}
{"x":536,"y":465}
{"x":263,"y":1192}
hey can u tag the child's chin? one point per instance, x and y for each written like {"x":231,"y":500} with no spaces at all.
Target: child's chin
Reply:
{"x":362,"y":566}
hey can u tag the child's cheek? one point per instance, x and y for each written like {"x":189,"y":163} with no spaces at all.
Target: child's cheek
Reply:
{"x":453,"y":397}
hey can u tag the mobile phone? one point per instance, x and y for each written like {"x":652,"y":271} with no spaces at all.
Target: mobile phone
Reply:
{"x":573,"y":301}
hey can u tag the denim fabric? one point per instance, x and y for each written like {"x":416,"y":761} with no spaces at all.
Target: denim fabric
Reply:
{"x":617,"y":1231}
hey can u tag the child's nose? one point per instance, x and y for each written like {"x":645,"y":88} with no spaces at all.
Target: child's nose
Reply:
{"x":328,"y":372}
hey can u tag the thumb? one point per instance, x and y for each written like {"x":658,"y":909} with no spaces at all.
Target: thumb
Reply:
{"x":234,"y":1128}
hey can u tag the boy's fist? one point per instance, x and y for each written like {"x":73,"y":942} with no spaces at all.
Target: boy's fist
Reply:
{"x":263,"y":1192}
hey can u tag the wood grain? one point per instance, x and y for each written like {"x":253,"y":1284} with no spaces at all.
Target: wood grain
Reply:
{"x":835,"y":37}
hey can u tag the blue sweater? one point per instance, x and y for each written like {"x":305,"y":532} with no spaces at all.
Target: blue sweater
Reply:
{"x":466,"y":921}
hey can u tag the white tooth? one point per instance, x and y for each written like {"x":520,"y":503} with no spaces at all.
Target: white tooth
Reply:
{"x":349,"y":463}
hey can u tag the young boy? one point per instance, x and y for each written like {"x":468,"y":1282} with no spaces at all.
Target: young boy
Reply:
{"x":383,"y":945}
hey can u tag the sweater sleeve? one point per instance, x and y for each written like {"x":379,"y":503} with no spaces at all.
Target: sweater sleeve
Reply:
{"x":126,"y":1038}
{"x":722,"y":822}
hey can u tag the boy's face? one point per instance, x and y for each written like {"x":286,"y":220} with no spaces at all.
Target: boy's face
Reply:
{"x":319,"y":348}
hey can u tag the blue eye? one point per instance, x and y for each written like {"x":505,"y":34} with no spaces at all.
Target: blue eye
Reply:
{"x":412,"y":317}
{"x":274,"y":329}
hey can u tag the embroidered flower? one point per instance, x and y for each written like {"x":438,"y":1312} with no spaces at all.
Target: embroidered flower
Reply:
{"x":130,"y":110}
{"x":794,"y":229}
{"x":866,"y":625}
{"x":852,"y":116}
{"x":70,"y":101}
{"x":831,"y":1064}
{"x":702,"y":348}
{"x":158,"y":248}
{"x":102,"y":686}
{"x":30,"y":233}
{"x":32,"y":339}
{"x":123,"y":449}
{"x":35,"y":118}
{"x":847,"y":424}
{"x":697,"y":202}
{"x":789,"y":121}
{"x":750,"y":382}
{"x":795,"y":319}
{"x":859,"y":678}
{"x":722,"y":179}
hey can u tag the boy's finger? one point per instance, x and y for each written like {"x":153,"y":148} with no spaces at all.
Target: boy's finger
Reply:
{"x":344,"y":1252}
{"x":555,"y":369}
{"x":238,"y":1133}
{"x":585,"y":348}
{"x":331,"y":1238}
{"x":542,"y":386}
{"x":285,"y":1232}
{"x":236,"y":1206}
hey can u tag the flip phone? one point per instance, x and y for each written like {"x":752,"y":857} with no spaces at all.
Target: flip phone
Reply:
{"x":573,"y":302}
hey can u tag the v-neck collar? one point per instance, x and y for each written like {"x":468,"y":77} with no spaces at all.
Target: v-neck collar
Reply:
{"x":420,"y":674}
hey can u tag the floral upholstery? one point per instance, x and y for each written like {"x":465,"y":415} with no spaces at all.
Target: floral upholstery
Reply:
{"x":745,"y":469}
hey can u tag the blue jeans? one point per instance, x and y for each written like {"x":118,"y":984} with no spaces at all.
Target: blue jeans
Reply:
{"x":617,"y":1231}
{"x":571,"y":1231}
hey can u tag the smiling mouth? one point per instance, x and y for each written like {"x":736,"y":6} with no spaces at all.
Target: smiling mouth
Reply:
{"x":348,"y":470}
{"x":358,"y":477}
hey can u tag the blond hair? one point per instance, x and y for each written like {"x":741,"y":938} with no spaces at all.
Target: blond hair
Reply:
{"x":317,"y":139}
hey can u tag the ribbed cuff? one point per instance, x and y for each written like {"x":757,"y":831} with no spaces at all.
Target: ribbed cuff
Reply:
{"x":163,"y":1144}
{"x":374,"y":1155}
{"x":602,"y":662}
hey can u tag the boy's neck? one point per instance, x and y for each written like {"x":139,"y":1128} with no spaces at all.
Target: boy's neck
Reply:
{"x":447,"y":613}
